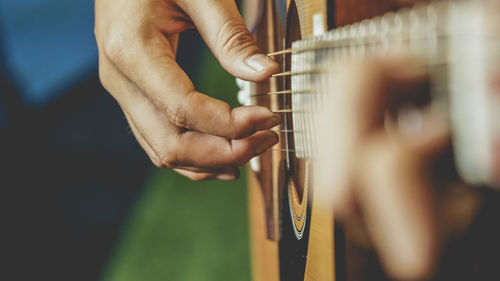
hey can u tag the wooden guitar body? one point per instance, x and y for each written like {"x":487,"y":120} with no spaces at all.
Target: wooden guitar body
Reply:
{"x":293,"y":236}
{"x":292,"y":239}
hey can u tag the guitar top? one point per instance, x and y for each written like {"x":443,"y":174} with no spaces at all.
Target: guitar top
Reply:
{"x":293,"y":232}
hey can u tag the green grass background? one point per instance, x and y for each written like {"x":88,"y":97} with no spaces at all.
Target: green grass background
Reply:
{"x":184,"y":230}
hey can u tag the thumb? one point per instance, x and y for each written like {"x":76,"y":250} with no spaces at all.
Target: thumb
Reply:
{"x":221,"y":26}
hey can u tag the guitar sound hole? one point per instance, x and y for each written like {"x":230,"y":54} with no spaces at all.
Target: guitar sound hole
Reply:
{"x":295,"y":209}
{"x":295,"y":168}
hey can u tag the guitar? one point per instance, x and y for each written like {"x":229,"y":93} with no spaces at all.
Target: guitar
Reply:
{"x":293,"y":231}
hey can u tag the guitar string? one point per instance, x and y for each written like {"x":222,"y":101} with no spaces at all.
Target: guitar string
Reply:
{"x":339,"y":44}
{"x":326,"y":46}
{"x":290,"y":92}
{"x":313,"y":92}
{"x":287,"y":107}
{"x":349,"y":45}
{"x":285,"y":111}
{"x":283,"y":150}
{"x":289,"y":73}
{"x":316,"y":71}
{"x":284,"y":92}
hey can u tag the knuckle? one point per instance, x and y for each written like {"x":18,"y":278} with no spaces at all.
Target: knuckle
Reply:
{"x":178,"y":116}
{"x":167,"y":159}
{"x":235,"y":125}
{"x":117,"y":45}
{"x":114,"y":48}
{"x":156,"y":160}
{"x":234,"y":38}
{"x":178,"y":113}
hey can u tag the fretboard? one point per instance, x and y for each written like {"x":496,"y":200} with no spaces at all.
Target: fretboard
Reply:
{"x":458,"y":43}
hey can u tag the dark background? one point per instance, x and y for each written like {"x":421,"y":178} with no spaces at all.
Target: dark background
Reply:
{"x":80,"y":199}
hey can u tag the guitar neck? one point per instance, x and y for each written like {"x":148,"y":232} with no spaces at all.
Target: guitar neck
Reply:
{"x":457,"y":41}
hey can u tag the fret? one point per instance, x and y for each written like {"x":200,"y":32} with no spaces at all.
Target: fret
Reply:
{"x":374,"y":41}
{"x":455,"y":41}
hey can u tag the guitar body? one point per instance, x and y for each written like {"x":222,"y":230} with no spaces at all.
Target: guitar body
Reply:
{"x":292,"y":238}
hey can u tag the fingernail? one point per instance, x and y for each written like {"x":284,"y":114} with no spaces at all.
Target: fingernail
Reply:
{"x":410,"y":120}
{"x":267,"y":143}
{"x":421,"y":124}
{"x":270,"y":122}
{"x":260,"y":62}
{"x":226,"y":177}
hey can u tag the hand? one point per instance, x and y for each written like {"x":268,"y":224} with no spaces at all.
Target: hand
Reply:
{"x":379,"y":170}
{"x":178,"y":127}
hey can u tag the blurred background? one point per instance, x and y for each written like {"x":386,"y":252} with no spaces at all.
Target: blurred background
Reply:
{"x":80,"y":199}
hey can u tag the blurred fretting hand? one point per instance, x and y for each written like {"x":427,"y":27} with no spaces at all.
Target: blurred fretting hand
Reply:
{"x":379,"y":170}
{"x":199,"y":136}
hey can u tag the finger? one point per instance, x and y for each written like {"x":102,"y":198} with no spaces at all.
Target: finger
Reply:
{"x":174,"y":148}
{"x":124,"y":91}
{"x":395,"y":196}
{"x":228,"y":171}
{"x":384,"y":176}
{"x":196,"y":176}
{"x":205,"y":176}
{"x":428,"y":133}
{"x":386,"y":83}
{"x":151,"y":66}
{"x":224,"y":31}
{"x":127,"y":94}
{"x":194,"y":173}
{"x":169,"y":146}
{"x":398,"y":212}
{"x":210,"y":151}
{"x":140,"y":139}
{"x":345,"y":118}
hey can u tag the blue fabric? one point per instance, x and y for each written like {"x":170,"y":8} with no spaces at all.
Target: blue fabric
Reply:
{"x":49,"y":46}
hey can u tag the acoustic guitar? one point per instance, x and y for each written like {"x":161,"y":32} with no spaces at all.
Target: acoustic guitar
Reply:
{"x":293,"y":232}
